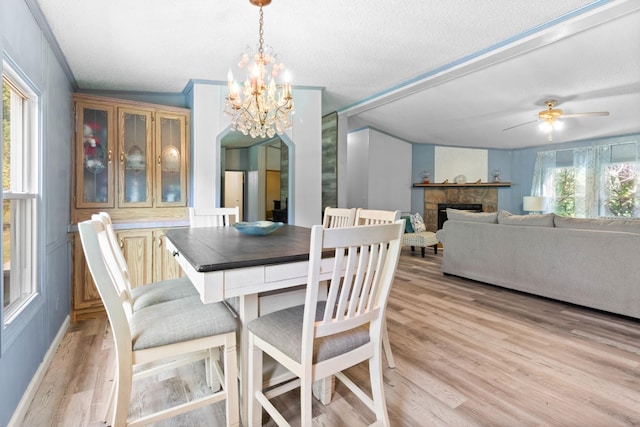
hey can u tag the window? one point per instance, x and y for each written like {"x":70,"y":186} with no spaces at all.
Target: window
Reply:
{"x":620,"y":195}
{"x":19,"y":193}
{"x":599,"y":181}
{"x":621,"y":190}
{"x":565,"y":195}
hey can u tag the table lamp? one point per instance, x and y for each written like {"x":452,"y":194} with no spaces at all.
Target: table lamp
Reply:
{"x":533,"y":204}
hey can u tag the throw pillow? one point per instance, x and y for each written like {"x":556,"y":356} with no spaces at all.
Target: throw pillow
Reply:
{"x":407,"y":223}
{"x":543,"y":220}
{"x":417,"y":223}
{"x":458,"y":215}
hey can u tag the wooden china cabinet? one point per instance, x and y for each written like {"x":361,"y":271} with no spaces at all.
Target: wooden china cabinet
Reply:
{"x":131,"y":160}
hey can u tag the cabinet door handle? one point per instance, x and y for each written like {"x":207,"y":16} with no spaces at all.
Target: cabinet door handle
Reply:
{"x":160,"y":242}
{"x":159,"y":160}
{"x":122,"y":157}
{"x":121,"y":244}
{"x":109,"y":156}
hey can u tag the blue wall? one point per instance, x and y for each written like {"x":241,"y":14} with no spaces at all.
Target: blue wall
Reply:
{"x":26,"y":340}
{"x":423,"y":157}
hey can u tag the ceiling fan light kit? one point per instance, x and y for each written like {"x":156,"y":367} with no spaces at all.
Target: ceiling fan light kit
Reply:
{"x":549,"y":119}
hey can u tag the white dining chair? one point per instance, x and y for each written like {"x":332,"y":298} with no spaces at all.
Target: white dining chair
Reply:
{"x":370,"y":217}
{"x":323,"y":338}
{"x":140,"y":297}
{"x":164,"y":332}
{"x":213,"y":217}
{"x":338,"y":217}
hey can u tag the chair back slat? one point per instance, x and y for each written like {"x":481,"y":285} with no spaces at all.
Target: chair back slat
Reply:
{"x":109,"y":256}
{"x":336,"y":277}
{"x":213,"y":217}
{"x":367,"y":284}
{"x":113,"y":239}
{"x":338,"y":217}
{"x":372,"y":216}
{"x":374,"y":285}
{"x":348,"y":283}
{"x":114,"y":248}
{"x":354,"y":293}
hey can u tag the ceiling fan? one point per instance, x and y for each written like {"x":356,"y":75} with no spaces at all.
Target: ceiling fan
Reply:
{"x":548,"y":118}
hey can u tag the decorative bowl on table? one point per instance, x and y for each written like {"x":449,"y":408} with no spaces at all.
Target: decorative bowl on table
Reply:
{"x":257,"y":228}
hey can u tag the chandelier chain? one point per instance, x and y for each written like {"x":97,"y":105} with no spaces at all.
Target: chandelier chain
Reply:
{"x":261,"y":34}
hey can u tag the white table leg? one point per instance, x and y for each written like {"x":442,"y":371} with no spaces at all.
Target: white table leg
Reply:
{"x":323,"y":389}
{"x":247,"y":311}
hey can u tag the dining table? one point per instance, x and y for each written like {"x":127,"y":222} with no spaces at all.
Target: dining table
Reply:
{"x":253,"y":275}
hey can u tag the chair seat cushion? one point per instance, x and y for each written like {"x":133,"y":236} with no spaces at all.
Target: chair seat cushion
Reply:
{"x":179,"y":320}
{"x":159,"y":292}
{"x":283,"y":330}
{"x":423,"y":239}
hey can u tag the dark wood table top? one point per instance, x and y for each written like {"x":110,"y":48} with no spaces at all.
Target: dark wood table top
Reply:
{"x":223,"y":248}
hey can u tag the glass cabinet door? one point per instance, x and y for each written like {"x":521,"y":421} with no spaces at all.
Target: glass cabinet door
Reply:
{"x":136,"y":158}
{"x":94,"y":151}
{"x":170,"y":160}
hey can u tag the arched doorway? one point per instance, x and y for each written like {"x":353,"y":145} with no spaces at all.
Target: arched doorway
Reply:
{"x":255,"y":162}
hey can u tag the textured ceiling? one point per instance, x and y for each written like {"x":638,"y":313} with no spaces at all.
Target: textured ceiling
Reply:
{"x":462,"y":70}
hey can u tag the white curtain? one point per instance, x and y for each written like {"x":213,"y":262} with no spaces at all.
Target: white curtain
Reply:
{"x":588,"y":163}
{"x":543,"y":182}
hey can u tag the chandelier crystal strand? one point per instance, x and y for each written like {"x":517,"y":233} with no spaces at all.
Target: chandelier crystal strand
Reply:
{"x":263,"y":107}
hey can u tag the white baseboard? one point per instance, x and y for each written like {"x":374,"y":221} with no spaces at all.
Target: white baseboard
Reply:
{"x":30,"y":392}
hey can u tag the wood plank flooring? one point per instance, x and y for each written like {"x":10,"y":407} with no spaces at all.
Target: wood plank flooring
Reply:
{"x":467,"y":354}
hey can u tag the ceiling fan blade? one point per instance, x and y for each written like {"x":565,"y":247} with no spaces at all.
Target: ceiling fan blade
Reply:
{"x":521,"y":124}
{"x":595,"y":113}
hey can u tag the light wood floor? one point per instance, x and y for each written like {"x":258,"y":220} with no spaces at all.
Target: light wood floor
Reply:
{"x":467,"y":354}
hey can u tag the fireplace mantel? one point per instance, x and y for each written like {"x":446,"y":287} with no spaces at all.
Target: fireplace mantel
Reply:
{"x":470,"y":184}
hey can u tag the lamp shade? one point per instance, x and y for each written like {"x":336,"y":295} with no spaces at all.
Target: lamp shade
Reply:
{"x":533,"y":203}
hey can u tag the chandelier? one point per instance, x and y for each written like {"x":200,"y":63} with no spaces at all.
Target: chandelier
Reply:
{"x":262,"y":107}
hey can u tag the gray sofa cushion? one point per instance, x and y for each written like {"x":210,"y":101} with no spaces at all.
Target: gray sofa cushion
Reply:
{"x":159,"y":292}
{"x":283,"y":329}
{"x":624,"y":225}
{"x":459,"y":215}
{"x":180,"y":320}
{"x":544,"y":220}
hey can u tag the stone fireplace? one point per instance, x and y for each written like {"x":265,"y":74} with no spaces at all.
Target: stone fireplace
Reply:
{"x":477,"y":195}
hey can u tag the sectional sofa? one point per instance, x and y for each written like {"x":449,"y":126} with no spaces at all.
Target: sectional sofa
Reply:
{"x":589,"y":262}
